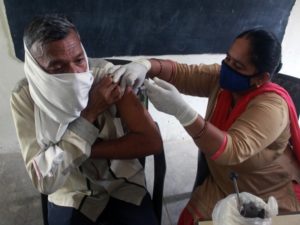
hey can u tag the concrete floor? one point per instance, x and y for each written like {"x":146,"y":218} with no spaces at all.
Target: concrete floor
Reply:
{"x":181,"y":160}
{"x":20,"y":202}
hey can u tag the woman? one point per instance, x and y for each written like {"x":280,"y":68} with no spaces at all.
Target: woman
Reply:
{"x":249,"y":124}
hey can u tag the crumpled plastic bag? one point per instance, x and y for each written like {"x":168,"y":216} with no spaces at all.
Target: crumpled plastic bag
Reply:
{"x":226,"y":210}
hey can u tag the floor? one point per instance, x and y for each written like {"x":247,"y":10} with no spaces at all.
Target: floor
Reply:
{"x":181,"y":171}
{"x":20,"y":203}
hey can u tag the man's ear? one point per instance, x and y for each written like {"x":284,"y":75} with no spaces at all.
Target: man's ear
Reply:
{"x":263,"y":78}
{"x":36,"y":50}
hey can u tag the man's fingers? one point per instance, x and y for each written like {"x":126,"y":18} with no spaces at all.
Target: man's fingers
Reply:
{"x":116,"y":91}
{"x":116,"y":94}
{"x":111,"y":88}
{"x":104,"y":81}
{"x":105,"y":85}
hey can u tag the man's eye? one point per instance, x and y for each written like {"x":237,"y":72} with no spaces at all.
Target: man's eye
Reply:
{"x":80,"y":61}
{"x":56,"y":69}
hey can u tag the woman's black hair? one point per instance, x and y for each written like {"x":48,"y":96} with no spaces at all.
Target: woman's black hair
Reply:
{"x":265,"y":50}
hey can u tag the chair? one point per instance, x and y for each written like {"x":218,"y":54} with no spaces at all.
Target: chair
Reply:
{"x":159,"y":169}
{"x":291,"y":84}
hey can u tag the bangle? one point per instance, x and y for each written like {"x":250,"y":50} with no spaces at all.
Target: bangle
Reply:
{"x":201,"y":132}
{"x":160,"y":68}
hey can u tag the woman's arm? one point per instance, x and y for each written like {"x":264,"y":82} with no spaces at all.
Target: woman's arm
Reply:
{"x":163,"y":69}
{"x":206,"y":136}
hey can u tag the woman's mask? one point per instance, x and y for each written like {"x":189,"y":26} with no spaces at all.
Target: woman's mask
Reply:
{"x":234,"y":81}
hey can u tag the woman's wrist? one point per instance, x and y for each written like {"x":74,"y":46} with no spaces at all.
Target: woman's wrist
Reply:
{"x":156,"y":68}
{"x":198,"y":128}
{"x":201,"y":132}
{"x":160,"y":68}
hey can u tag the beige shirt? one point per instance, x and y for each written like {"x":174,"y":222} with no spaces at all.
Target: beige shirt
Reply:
{"x":78,"y":181}
{"x":256,"y":140}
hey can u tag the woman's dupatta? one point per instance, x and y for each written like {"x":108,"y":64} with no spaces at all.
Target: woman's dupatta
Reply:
{"x":223,"y":118}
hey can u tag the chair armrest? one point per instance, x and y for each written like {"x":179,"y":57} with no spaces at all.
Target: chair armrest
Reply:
{"x":159,"y":179}
{"x":202,"y":170}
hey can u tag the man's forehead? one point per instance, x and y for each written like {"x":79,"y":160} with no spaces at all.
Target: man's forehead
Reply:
{"x":55,"y":54}
{"x":71,"y":44}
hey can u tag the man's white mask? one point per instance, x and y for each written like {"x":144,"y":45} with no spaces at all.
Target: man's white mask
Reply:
{"x":59,"y":98}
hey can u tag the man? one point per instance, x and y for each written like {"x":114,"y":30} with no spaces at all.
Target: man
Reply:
{"x":74,"y":147}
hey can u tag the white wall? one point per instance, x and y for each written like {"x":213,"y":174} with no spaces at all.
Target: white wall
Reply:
{"x":12,"y":71}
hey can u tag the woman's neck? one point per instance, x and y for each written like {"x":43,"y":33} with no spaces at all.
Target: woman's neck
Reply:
{"x":237,"y":95}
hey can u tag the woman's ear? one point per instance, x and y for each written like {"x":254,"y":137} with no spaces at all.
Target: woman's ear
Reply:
{"x":263,"y":78}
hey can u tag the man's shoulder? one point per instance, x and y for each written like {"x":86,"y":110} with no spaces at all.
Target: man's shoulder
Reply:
{"x":99,"y":67}
{"x":23,"y":83}
{"x":98,"y":63}
{"x":20,"y":96}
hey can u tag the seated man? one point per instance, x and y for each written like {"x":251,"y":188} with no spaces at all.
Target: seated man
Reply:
{"x":74,"y":147}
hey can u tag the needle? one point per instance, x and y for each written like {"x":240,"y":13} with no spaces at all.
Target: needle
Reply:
{"x":233,"y":177}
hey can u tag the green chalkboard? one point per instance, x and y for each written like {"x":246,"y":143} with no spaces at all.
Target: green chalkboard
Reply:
{"x":154,"y":27}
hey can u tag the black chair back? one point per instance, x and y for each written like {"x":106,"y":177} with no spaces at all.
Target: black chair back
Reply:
{"x":292,"y":85}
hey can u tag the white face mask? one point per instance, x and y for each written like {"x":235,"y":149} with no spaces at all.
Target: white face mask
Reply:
{"x":58,"y":98}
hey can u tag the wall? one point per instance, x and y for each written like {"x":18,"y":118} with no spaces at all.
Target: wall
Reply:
{"x":11,"y":72}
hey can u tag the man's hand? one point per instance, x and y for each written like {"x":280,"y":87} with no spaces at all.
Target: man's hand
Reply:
{"x":166,"y":98}
{"x":101,"y":96}
{"x":131,"y":74}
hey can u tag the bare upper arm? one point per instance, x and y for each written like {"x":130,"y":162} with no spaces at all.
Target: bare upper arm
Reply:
{"x":133,"y":113}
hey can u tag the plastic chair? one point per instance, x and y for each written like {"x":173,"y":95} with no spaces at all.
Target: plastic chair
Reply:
{"x":291,"y":84}
{"x":159,"y":169}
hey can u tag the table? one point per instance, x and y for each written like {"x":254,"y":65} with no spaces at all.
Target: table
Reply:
{"x":292,"y":219}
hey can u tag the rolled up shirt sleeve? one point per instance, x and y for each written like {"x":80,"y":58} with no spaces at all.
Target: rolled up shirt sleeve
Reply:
{"x":49,"y":168}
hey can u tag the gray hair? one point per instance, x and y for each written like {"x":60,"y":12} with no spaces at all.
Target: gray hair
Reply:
{"x":47,"y":28}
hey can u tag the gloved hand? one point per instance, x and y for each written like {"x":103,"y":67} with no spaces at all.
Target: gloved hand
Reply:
{"x":131,"y":74}
{"x":166,"y":98}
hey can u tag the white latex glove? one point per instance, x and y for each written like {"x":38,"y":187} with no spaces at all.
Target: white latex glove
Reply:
{"x":166,"y":98}
{"x":131,"y":74}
